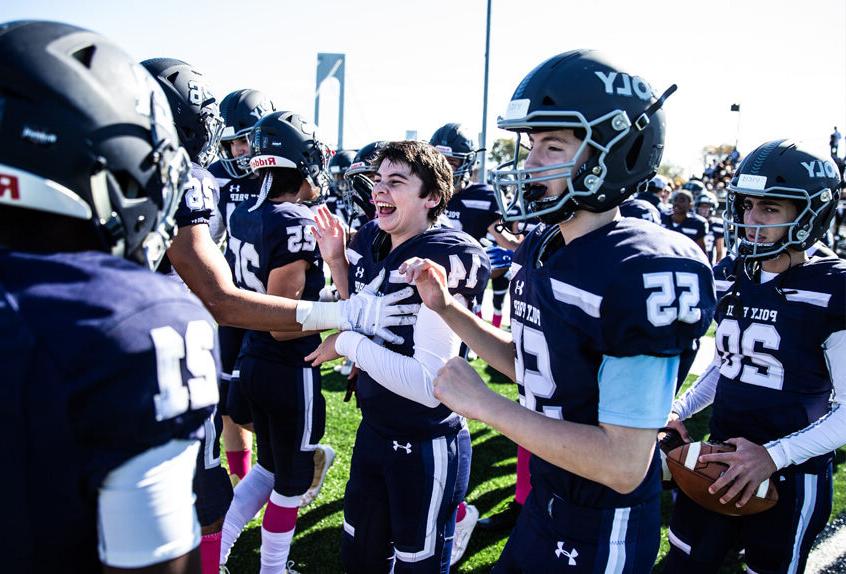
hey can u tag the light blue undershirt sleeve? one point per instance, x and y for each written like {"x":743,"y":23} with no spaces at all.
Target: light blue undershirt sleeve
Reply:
{"x":637,"y":391}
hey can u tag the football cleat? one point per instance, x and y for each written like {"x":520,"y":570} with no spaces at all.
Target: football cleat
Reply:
{"x":463,"y":530}
{"x":324,"y":456}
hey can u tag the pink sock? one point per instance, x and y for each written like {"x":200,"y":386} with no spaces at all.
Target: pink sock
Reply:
{"x":478,"y":313}
{"x":239,"y":462}
{"x":497,"y":320}
{"x":524,"y":477}
{"x":279,"y":518}
{"x":210,"y":553}
{"x":462,"y":510}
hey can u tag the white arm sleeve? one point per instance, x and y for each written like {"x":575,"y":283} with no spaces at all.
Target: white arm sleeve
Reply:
{"x":409,"y":377}
{"x":146,"y":507}
{"x":700,"y":394}
{"x":827,"y":433}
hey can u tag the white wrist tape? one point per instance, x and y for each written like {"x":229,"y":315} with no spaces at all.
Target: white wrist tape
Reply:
{"x":317,"y":316}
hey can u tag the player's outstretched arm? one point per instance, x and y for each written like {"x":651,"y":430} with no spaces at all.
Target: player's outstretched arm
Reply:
{"x":616,"y":456}
{"x":204,"y":269}
{"x":493,"y":345}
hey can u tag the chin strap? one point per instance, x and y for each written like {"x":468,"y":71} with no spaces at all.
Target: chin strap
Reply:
{"x":643,"y":120}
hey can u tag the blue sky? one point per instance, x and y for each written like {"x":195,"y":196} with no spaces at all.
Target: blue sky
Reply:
{"x":417,"y":65}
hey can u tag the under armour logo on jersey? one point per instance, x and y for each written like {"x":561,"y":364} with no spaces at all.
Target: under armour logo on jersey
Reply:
{"x":406,"y":447}
{"x":625,"y":86}
{"x":235,"y":188}
{"x":819,"y":168}
{"x":518,"y":287}
{"x":359,"y":272}
{"x":571,"y":556}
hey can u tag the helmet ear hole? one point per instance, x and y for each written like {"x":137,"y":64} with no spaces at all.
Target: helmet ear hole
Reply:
{"x":127,"y":185}
{"x":547,"y":101}
{"x":634,"y":152}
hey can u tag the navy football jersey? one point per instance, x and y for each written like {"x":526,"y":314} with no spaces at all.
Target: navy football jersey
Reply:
{"x":233,"y":191}
{"x":198,"y":207}
{"x":694,"y":226}
{"x":468,"y":273}
{"x":472,"y":210}
{"x":102,"y":361}
{"x":715,"y":231}
{"x":629,"y":288}
{"x":640,"y":209}
{"x":773,"y":374}
{"x":273,"y":236}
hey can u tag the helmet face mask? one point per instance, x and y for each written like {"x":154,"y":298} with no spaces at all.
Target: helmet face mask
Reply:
{"x":781,"y":170}
{"x":102,"y":148}
{"x":338,"y":165}
{"x":617,"y":118}
{"x":359,"y":175}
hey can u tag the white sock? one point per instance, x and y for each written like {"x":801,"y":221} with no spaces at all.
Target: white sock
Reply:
{"x":250,"y":495}
{"x":277,"y":531}
{"x":274,"y":550}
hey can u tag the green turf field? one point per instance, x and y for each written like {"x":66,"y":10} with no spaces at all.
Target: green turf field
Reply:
{"x":316,"y":547}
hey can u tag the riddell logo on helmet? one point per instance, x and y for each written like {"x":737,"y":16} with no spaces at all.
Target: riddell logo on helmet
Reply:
{"x":258,"y":162}
{"x":9,"y":184}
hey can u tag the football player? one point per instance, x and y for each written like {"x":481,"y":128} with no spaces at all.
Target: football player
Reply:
{"x":778,"y":383}
{"x":684,"y":221}
{"x":655,"y":193}
{"x":276,"y":254}
{"x":109,"y":369}
{"x":603,"y":307}
{"x":411,"y":459}
{"x":339,"y":199}
{"x":199,"y":125}
{"x":240,"y":109}
{"x":706,"y":208}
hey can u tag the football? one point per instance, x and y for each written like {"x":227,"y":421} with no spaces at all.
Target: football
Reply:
{"x":694,"y":478}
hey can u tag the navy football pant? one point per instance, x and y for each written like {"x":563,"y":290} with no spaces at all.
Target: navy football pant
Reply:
{"x":552,"y":535}
{"x":211,"y":482}
{"x":775,"y":541}
{"x":232,"y":401}
{"x":400,"y":502}
{"x":289,"y":417}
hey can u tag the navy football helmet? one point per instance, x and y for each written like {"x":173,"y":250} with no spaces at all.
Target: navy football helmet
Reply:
{"x":615,"y":114}
{"x":694,"y":186}
{"x":338,"y":166}
{"x":361,"y":186}
{"x":87,"y":134}
{"x":452,"y":141}
{"x":240,"y":110}
{"x":194,"y":107}
{"x":781,"y":169}
{"x":709,"y":199}
{"x":286,"y":140}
